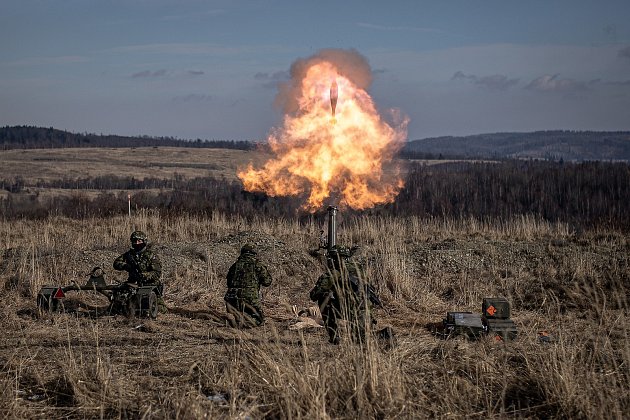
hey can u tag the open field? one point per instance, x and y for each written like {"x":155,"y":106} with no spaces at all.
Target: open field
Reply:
{"x":47,"y":164}
{"x":572,"y":284}
{"x":188,"y":364}
{"x":34,"y":165}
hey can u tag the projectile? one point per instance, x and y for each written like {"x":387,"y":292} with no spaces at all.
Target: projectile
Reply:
{"x":333,"y":97}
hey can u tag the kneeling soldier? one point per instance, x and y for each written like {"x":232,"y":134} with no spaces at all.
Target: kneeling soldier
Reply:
{"x":244,"y":279}
{"x":142,"y":264}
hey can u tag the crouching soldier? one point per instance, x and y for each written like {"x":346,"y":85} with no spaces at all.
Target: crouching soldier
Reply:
{"x":143,"y":265}
{"x":244,"y":279}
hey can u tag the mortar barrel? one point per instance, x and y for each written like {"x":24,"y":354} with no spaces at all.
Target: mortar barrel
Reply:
{"x":332,"y":227}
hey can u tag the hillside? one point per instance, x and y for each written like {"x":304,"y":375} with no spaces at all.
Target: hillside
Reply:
{"x":28,"y":137}
{"x":552,"y":145}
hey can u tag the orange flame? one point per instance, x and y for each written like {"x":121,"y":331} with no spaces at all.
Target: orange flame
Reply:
{"x":342,"y":158}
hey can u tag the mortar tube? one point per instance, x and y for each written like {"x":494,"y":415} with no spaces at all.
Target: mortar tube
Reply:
{"x":332,"y":228}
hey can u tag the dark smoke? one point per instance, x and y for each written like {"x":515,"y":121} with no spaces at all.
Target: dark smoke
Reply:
{"x":349,"y":63}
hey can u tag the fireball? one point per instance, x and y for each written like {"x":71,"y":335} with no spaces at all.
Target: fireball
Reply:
{"x":343,"y":154}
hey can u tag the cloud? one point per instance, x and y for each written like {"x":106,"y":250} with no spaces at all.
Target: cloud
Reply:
{"x":193,"y":97}
{"x":554,"y":84}
{"x":493,"y":82}
{"x":173,"y":48}
{"x":204,"y":49}
{"x":45,"y":61}
{"x":619,"y":83}
{"x":611,"y":33}
{"x":398,"y":28}
{"x":148,"y":74}
{"x":272,"y":80}
{"x":197,"y":15}
{"x":348,"y":63}
{"x":624,"y":52}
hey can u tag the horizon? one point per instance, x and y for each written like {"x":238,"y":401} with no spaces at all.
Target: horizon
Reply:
{"x":259,"y":140}
{"x":211,"y":70}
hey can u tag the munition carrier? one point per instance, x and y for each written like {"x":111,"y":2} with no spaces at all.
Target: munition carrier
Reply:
{"x":494,"y":320}
{"x":126,"y":299}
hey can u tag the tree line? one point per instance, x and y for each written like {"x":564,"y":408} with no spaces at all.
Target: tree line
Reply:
{"x":567,"y":145}
{"x":27,"y":137}
{"x":549,"y":145}
{"x":584,"y":195}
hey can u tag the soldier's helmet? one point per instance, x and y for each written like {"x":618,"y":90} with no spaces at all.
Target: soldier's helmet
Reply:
{"x":138,"y":235}
{"x":248,"y":249}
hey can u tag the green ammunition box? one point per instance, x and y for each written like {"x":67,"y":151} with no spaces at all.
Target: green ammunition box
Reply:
{"x":49,"y":297}
{"x":495,"y":308}
{"x":504,"y":328}
{"x":464,"y":323}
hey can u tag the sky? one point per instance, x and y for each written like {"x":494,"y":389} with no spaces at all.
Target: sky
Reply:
{"x":194,"y":69}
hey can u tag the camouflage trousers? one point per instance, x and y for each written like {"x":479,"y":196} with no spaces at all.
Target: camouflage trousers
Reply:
{"x":162,"y":305}
{"x":246,"y":313}
{"x":329,"y":316}
{"x":358,"y":321}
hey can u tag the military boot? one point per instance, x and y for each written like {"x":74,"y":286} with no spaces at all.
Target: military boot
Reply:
{"x":162,"y":306}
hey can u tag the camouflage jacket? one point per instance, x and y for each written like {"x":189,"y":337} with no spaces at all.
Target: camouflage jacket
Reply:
{"x":326,"y":290}
{"x":144,"y":267}
{"x":245,"y":277}
{"x":342,"y":289}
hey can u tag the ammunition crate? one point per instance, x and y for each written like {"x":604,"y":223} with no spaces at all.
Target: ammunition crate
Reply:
{"x":46,"y":298}
{"x":465,"y":323}
{"x":504,"y":328}
{"x":495,"y":308}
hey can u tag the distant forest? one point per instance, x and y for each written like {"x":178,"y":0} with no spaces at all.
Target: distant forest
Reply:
{"x":553,"y":145}
{"x":558,"y":145}
{"x":584,"y":195}
{"x":587,"y":193}
{"x":25,"y":137}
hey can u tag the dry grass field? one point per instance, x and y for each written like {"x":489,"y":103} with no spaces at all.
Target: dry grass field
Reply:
{"x":165,"y":162}
{"x":189,"y":364}
{"x":142,"y":162}
{"x":153,"y":162}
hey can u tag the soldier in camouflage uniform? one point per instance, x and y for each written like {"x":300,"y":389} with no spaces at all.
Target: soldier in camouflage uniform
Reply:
{"x":244,"y":279}
{"x":142,"y":264}
{"x":341,"y":293}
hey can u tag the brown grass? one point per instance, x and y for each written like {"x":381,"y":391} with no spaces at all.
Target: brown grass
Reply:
{"x":141,"y":162}
{"x":154,"y":162}
{"x":188,"y":364}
